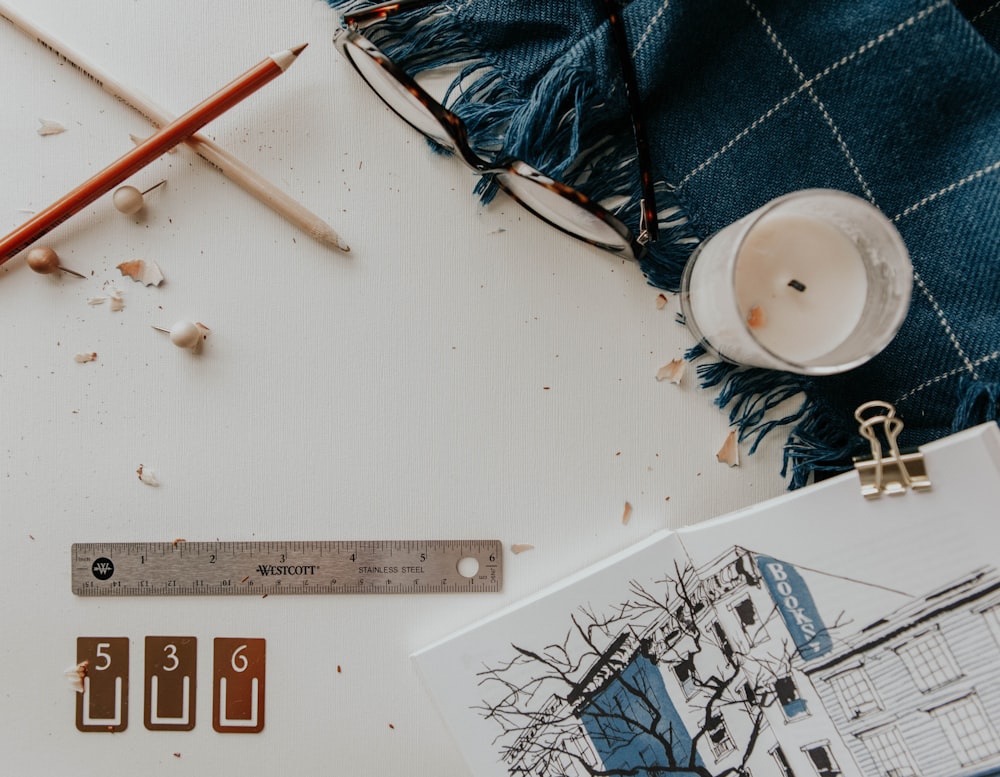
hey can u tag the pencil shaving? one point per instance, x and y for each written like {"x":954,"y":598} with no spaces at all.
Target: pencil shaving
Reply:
{"x":141,"y":271}
{"x":521,"y":548}
{"x":114,"y":297}
{"x":756,"y":318}
{"x":50,"y":127}
{"x":627,"y":514}
{"x":729,"y":453}
{"x":661,"y":301}
{"x":75,"y":675}
{"x":147,"y":477}
{"x":673,"y":371}
{"x":83,"y":358}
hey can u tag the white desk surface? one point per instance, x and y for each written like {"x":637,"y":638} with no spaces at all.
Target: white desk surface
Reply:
{"x":466,"y":371}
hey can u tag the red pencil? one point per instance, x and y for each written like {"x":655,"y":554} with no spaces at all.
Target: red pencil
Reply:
{"x":171,"y":135}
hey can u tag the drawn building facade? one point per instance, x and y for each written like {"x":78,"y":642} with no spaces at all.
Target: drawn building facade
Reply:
{"x":738,"y":675}
{"x":712,"y":681}
{"x":556,"y":744}
{"x":917,"y":693}
{"x":769,"y":719}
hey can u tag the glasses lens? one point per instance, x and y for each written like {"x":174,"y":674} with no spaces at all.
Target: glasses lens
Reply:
{"x":397,"y":96}
{"x":562,"y":212}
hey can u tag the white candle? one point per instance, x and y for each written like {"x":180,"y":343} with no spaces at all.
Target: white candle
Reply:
{"x":800,"y":285}
{"x":814,"y":282}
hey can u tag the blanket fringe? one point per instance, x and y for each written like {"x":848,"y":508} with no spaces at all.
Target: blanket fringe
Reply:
{"x":978,"y":402}
{"x":819,"y":440}
{"x":552,"y":129}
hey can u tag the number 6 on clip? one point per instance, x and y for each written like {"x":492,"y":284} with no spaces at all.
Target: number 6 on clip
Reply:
{"x":238,"y":686}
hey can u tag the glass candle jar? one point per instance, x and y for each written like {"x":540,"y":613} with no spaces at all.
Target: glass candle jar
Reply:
{"x":814,"y":282}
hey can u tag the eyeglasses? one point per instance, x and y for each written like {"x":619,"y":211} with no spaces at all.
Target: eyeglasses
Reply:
{"x":555,"y":203}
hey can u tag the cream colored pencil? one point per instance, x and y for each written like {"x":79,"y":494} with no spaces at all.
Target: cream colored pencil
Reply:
{"x":231,"y":167}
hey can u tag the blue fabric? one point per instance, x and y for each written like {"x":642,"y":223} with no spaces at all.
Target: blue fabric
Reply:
{"x":896,"y":101}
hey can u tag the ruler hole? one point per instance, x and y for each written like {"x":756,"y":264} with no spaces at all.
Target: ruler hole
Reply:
{"x":468,"y":566}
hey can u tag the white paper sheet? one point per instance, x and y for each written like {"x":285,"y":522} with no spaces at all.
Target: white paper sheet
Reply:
{"x":817,"y":633}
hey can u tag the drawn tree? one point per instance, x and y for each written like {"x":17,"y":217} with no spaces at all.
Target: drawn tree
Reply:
{"x":596,"y":703}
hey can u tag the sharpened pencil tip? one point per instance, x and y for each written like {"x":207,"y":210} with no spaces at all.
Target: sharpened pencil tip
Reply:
{"x":284,"y":59}
{"x":324,"y":233}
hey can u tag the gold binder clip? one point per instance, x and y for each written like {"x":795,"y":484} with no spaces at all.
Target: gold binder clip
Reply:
{"x":891,"y":473}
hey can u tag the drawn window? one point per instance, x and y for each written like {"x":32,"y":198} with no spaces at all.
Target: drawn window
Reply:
{"x":580,"y":750}
{"x":855,"y":692}
{"x":890,"y":752}
{"x":930,"y":661}
{"x":787,"y":692}
{"x":968,"y":729}
{"x":747,"y":614}
{"x":564,"y":765}
{"x":724,"y":645}
{"x":718,"y":735}
{"x":992,"y":616}
{"x":684,"y":669}
{"x":784,"y":768}
{"x":822,"y":760}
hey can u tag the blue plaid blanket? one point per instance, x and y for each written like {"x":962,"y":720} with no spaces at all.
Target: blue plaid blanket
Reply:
{"x":896,"y":101}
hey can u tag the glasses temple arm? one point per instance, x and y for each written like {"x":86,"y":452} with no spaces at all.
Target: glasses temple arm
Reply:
{"x":648,"y":225}
{"x":384,"y":10}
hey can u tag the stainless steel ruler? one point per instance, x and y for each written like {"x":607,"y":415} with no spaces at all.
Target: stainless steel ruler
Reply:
{"x":263,"y":568}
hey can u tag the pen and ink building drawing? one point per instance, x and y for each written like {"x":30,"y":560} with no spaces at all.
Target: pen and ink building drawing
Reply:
{"x":728,"y":670}
{"x":918,"y":691}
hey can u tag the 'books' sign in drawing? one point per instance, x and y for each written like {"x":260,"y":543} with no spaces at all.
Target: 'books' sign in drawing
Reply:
{"x":814,"y":635}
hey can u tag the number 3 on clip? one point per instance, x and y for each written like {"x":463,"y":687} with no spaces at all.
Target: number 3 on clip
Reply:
{"x":103,"y":704}
{"x":170,"y":680}
{"x":238,"y":686}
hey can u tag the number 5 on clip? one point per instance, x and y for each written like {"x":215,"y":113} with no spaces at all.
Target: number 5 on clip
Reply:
{"x":103,"y":704}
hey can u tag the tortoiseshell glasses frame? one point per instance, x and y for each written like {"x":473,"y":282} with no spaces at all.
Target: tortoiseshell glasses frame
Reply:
{"x":559,"y":205}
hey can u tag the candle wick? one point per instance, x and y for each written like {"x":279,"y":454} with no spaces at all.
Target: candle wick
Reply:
{"x":797,"y":285}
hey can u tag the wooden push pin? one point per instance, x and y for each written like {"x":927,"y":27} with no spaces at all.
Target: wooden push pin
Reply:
{"x":186,"y":334}
{"x":129,"y":200}
{"x":44,"y":260}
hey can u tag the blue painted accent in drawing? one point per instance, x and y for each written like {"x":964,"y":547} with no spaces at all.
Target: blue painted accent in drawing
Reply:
{"x":617,"y":720}
{"x":794,"y":708}
{"x":795,"y":603}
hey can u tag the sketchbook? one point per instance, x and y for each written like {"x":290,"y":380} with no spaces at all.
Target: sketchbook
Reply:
{"x":819,"y":633}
